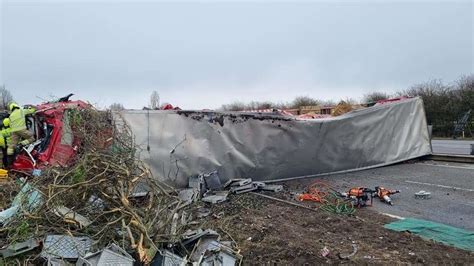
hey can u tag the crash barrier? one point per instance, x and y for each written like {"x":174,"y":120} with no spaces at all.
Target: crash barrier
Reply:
{"x":446,"y":234}
{"x":179,"y":144}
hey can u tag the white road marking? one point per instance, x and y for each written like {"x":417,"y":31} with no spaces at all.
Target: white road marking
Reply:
{"x":437,"y":185}
{"x":393,"y":216}
{"x":448,"y":166}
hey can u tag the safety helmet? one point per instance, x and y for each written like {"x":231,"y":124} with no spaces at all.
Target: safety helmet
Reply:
{"x":13,"y":106}
{"x":6,"y":122}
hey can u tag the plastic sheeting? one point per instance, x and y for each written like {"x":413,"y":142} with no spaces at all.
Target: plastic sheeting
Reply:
{"x":446,"y":234}
{"x":179,"y":144}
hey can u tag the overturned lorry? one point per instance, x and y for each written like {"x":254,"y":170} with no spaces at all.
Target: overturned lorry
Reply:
{"x":176,"y":144}
{"x":92,"y":195}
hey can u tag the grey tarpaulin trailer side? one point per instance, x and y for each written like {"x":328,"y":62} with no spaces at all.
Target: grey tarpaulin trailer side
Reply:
{"x":271,"y":147}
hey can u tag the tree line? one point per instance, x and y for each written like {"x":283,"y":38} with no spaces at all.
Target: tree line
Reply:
{"x":445,"y":103}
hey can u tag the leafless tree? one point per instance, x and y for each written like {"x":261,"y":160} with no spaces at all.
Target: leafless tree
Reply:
{"x":154,"y":100}
{"x":5,"y":98}
{"x":304,"y":101}
{"x":116,"y":107}
{"x":375,"y":96}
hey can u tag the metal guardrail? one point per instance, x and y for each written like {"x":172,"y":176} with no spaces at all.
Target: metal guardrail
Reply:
{"x":450,"y":158}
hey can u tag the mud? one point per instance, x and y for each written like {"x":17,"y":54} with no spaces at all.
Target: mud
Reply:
{"x":270,"y":232}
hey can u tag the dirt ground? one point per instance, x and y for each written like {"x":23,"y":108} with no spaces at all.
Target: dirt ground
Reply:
{"x":271,"y":232}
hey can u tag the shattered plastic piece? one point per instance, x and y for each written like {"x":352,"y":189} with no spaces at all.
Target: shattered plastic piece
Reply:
{"x":111,"y":255}
{"x":202,"y":246}
{"x":65,"y":247}
{"x":56,"y":262}
{"x":188,"y":195}
{"x":19,"y":248}
{"x":174,"y":224}
{"x":36,"y":172}
{"x":325,"y":252}
{"x":28,"y":195}
{"x":203,"y":212}
{"x":212,"y":180}
{"x":244,"y":189}
{"x":274,"y":188}
{"x":259,"y":185}
{"x":196,"y":182}
{"x":191,"y":236}
{"x":238,"y":182}
{"x":217,"y":197}
{"x":167,"y":258}
{"x":422,"y":195}
{"x":354,"y":251}
{"x":219,"y":255}
{"x":69,"y":214}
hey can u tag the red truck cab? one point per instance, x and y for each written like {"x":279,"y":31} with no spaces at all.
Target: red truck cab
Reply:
{"x":55,"y":143}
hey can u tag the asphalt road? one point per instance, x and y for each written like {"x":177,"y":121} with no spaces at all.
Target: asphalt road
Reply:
{"x":452,"y":146}
{"x":451,"y":186}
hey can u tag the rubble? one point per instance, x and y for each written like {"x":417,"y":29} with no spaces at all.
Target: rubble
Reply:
{"x":105,"y":196}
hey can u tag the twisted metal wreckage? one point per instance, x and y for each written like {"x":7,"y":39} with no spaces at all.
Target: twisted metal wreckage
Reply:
{"x":105,"y":185}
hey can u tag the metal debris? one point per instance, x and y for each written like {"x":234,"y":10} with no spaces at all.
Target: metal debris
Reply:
{"x":243,"y":189}
{"x":422,"y":194}
{"x":347,"y":256}
{"x":212,"y":181}
{"x":19,"y":248}
{"x":238,"y":182}
{"x":188,"y":195}
{"x":216,"y":197}
{"x":273,"y":188}
{"x":65,"y":247}
{"x":69,"y":215}
{"x":111,"y":255}
{"x":167,"y":258}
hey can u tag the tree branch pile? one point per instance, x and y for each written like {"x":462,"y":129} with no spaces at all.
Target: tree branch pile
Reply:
{"x":107,"y":194}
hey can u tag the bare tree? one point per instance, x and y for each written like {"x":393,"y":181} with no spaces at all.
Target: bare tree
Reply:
{"x":116,"y":107}
{"x":154,"y":100}
{"x":375,"y":97}
{"x":5,"y":98}
{"x":304,"y":101}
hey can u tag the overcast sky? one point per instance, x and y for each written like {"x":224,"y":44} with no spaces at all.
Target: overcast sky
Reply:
{"x":201,"y":55}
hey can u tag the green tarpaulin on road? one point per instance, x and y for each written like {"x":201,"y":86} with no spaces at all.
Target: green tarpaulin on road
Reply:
{"x":446,"y":234}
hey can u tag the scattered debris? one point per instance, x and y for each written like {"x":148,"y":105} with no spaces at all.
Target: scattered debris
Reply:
{"x":273,"y":188}
{"x":354,"y":251}
{"x":16,"y":249}
{"x":65,"y":247}
{"x":212,"y":180}
{"x":167,"y":258}
{"x":111,"y":255}
{"x":70,"y":216}
{"x":325,"y":252}
{"x":216,"y":197}
{"x":422,"y":194}
{"x":203,"y":212}
{"x":238,"y":182}
{"x":243,"y":189}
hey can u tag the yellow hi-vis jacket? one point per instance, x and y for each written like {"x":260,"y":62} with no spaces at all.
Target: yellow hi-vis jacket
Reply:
{"x":17,"y":118}
{"x":5,"y":134}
